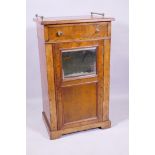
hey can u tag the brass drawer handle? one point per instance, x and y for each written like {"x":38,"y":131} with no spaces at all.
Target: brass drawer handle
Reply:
{"x":42,"y":17}
{"x":59,"y":33}
{"x":92,"y":13}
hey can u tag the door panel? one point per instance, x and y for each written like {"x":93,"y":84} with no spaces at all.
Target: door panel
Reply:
{"x":79,"y":82}
{"x":79,"y":102}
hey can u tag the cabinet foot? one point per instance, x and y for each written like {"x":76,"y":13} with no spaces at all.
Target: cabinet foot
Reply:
{"x":52,"y":134}
{"x":105,"y":125}
{"x":55,"y":135}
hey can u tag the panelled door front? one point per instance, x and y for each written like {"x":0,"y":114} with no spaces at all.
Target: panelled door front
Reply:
{"x":78,"y":70}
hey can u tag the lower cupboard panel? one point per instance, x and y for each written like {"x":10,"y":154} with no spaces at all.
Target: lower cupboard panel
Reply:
{"x":79,"y":104}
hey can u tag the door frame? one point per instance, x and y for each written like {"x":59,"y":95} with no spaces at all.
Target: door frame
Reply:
{"x":60,"y":82}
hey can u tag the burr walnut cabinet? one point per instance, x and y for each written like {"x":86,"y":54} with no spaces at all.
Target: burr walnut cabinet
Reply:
{"x":75,"y":70}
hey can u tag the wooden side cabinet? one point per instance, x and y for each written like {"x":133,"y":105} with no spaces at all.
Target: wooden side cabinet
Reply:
{"x":75,"y":68}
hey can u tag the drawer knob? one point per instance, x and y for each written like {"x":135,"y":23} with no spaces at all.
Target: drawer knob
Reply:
{"x":59,"y":33}
{"x":97,"y":30}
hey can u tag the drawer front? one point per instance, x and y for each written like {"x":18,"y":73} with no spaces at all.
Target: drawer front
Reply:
{"x":77,"y":31}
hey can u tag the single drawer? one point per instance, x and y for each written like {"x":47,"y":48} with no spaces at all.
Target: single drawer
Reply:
{"x":77,"y":31}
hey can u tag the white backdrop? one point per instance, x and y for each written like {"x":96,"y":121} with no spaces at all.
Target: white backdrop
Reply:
{"x":113,"y":141}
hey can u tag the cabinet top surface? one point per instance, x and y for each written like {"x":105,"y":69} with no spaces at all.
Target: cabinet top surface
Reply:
{"x":69,"y":20}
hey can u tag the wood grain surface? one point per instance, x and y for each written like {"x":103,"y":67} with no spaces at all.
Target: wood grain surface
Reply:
{"x":80,"y":102}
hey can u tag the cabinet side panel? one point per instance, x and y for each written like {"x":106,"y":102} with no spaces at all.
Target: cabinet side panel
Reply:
{"x":51,"y":85}
{"x":43,"y":71}
{"x":106,"y":79}
{"x":106,"y":73}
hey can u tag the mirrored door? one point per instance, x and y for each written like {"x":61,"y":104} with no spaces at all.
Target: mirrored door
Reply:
{"x":79,"y":81}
